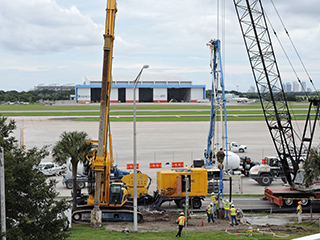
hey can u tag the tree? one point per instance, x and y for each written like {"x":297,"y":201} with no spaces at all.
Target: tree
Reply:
{"x":31,"y":207}
{"x":73,"y":145}
{"x":6,"y":129}
{"x":312,"y":167}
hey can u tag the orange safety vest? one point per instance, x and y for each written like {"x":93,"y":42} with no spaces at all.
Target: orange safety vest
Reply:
{"x":299,"y":209}
{"x":181,"y":220}
{"x":233,"y":212}
{"x":213,"y":199}
{"x":226,"y":205}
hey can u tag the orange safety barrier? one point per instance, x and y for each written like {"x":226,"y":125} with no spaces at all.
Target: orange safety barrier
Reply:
{"x":130,"y":166}
{"x":177,"y":164}
{"x":155,"y":165}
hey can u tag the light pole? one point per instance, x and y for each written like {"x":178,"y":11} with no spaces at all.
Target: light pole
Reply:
{"x":135,"y":197}
{"x":2,"y":195}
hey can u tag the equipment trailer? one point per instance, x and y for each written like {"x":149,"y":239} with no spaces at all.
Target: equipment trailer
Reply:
{"x":288,"y":197}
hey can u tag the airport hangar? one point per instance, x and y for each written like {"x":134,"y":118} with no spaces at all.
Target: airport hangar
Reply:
{"x":149,"y":89}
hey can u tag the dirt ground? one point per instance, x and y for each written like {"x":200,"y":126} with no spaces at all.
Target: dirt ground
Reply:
{"x":160,"y":221}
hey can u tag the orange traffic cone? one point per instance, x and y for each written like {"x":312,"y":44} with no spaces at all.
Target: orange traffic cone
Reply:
{"x":202,"y":224}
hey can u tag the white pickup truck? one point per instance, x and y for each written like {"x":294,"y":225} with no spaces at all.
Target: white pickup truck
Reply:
{"x":236,"y":147}
{"x":51,"y":168}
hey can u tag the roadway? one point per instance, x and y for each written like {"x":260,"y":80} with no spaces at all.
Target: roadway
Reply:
{"x":163,"y":142}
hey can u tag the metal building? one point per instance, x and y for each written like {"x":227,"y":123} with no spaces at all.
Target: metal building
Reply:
{"x":149,"y":89}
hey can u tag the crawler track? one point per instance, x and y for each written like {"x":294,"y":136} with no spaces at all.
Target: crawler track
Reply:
{"x":108,"y":215}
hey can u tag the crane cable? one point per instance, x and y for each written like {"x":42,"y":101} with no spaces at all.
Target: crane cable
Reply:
{"x":296,"y":132}
{"x":300,"y":59}
{"x":294,"y":71}
{"x":285,"y":53}
{"x":296,"y":51}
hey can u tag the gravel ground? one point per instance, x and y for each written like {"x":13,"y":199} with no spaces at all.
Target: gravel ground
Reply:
{"x":160,"y":221}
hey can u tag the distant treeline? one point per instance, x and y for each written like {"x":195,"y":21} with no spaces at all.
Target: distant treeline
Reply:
{"x":34,"y":96}
{"x":291,"y":96}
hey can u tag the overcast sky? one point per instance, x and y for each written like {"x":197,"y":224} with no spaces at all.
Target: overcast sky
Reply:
{"x":61,"y":41}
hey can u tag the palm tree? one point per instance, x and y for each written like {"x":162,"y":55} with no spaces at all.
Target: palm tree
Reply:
{"x":73,"y":145}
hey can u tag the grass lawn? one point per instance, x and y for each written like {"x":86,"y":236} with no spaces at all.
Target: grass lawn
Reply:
{"x":84,"y":232}
{"x":126,"y":106}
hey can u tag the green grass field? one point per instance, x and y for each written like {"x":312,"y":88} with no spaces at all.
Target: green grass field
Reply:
{"x":146,"y":112}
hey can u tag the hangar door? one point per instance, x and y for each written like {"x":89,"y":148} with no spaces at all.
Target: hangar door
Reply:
{"x":145,"y":94}
{"x":95,"y":94}
{"x":121,"y":95}
{"x":179,"y":94}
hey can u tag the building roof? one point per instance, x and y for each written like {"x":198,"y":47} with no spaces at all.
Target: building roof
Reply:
{"x":145,"y":79}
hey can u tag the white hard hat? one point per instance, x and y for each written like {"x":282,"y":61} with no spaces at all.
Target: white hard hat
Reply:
{"x":212,"y":193}
{"x":232,"y":205}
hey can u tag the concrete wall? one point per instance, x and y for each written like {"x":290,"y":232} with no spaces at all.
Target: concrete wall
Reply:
{"x":114,"y":95}
{"x":196,"y":94}
{"x":83,"y":94}
{"x":160,"y":94}
{"x":129,"y":95}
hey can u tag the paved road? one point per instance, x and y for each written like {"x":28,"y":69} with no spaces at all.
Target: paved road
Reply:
{"x":157,"y":141}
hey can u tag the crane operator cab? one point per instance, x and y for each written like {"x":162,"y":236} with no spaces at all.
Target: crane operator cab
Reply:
{"x":118,"y":194}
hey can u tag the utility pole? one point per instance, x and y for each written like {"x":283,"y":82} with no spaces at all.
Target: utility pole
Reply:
{"x":187,"y":203}
{"x":2,"y":194}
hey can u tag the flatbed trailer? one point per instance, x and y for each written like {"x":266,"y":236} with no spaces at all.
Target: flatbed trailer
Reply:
{"x":288,"y":197}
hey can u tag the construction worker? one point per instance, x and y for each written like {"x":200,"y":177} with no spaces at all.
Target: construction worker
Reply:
{"x":210,"y":212}
{"x":226,"y":207}
{"x":181,"y":221}
{"x":299,"y":211}
{"x":186,"y":167}
{"x":233,"y":212}
{"x":213,"y":199}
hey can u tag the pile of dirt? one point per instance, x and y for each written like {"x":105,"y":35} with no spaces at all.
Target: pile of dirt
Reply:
{"x":166,"y":220}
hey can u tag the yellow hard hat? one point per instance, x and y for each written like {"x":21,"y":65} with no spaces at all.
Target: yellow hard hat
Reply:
{"x":182,"y":213}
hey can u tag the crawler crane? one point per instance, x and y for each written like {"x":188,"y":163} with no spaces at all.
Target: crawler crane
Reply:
{"x":266,"y":73}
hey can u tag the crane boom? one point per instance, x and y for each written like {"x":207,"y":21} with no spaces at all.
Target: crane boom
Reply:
{"x":102,"y":161}
{"x":266,"y":73}
{"x":217,"y":102}
{"x":109,"y":199}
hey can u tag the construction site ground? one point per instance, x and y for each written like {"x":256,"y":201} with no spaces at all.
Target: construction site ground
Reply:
{"x":166,"y":220}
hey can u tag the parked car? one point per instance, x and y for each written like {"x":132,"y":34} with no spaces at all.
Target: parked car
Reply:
{"x":236,"y":147}
{"x":81,"y":180}
{"x":50,"y":168}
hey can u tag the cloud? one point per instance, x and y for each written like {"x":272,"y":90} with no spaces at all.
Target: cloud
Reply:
{"x":61,"y":41}
{"x":42,"y":26}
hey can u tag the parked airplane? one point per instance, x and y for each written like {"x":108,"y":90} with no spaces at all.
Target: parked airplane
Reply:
{"x":239,"y":99}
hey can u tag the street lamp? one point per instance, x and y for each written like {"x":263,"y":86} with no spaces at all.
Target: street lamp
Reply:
{"x":135,"y":197}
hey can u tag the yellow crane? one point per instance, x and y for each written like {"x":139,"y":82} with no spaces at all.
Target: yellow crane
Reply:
{"x":106,"y":198}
